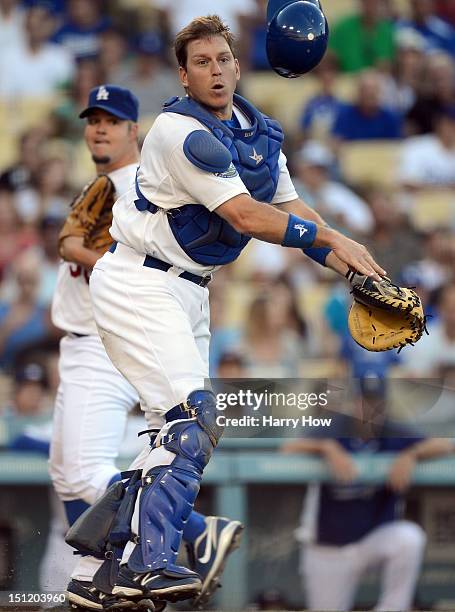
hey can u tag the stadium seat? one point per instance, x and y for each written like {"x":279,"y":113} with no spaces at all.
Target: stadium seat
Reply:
{"x":268,"y":91}
{"x":433,"y":208}
{"x":372,"y":161}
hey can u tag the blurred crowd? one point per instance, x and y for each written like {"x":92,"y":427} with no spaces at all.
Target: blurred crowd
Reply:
{"x":370,"y":141}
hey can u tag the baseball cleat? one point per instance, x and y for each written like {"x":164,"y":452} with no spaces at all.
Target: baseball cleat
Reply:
{"x":82,"y":594}
{"x":208,"y":554}
{"x":162,"y":585}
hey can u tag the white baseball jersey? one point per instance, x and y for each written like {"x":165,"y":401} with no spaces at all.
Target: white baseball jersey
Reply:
{"x":169,"y":180}
{"x":71,"y":305}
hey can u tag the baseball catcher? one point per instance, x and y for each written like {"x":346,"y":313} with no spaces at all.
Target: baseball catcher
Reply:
{"x":384,"y":316}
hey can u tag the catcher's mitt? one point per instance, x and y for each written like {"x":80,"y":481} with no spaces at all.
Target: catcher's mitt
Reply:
{"x":91,"y":215}
{"x":383,"y":315}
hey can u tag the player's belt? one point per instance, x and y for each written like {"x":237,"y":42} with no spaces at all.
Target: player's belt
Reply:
{"x":154,"y":262}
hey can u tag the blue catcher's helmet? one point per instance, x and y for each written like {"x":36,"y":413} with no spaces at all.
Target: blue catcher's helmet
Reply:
{"x":297,"y":37}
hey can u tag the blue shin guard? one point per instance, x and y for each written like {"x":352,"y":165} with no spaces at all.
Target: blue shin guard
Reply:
{"x":169,"y":492}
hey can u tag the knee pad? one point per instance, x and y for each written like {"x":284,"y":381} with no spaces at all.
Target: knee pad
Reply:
{"x":204,"y":404}
{"x":192,"y":439}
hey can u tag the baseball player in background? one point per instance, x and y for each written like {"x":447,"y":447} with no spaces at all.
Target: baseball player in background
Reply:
{"x":211,"y":175}
{"x":93,"y":398}
{"x":348,"y":527}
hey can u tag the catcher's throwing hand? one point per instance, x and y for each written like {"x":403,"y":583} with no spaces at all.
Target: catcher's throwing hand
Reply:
{"x":355,"y":255}
{"x":383,"y":315}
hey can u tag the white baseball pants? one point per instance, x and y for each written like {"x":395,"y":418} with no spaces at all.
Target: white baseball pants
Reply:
{"x":91,"y":409}
{"x":154,"y":326}
{"x":331,"y":574}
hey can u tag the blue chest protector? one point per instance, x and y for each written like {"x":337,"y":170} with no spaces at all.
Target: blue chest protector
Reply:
{"x":203,"y":235}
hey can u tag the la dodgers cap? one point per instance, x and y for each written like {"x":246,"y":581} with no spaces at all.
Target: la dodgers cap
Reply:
{"x":115,"y":100}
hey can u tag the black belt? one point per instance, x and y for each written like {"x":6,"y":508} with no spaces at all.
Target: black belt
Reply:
{"x":153,"y":262}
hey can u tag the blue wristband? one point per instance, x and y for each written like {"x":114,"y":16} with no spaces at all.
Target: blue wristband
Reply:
{"x":318,"y":254}
{"x":299,"y":233}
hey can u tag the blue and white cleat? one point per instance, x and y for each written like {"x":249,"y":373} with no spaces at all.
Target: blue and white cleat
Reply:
{"x":207,"y":555}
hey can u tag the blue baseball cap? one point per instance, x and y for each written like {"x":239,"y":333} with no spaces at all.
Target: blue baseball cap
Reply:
{"x":115,"y":100}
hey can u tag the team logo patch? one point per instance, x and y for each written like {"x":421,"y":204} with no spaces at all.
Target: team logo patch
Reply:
{"x":102,"y":94}
{"x":257,"y":157}
{"x":229,"y":173}
{"x":302,"y":229}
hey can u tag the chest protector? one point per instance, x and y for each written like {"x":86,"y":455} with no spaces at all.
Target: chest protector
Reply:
{"x":203,"y":235}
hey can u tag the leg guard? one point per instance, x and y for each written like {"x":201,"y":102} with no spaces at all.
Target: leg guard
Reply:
{"x":91,"y":532}
{"x":169,"y":492}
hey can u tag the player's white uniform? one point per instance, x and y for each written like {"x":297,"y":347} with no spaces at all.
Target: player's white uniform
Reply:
{"x":93,"y":399}
{"x":155,"y":325}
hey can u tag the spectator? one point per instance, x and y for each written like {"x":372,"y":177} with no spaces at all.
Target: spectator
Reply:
{"x":423,"y":19}
{"x":231,"y":365}
{"x":11,"y":25}
{"x":337,"y":204}
{"x":276,"y":337}
{"x":400,"y":89}
{"x":429,"y":160}
{"x":438,"y":348}
{"x":179,"y":13}
{"x":446,"y":10}
{"x":152,"y":82}
{"x":112,"y":54}
{"x":437,"y":92}
{"x":347,"y":526}
{"x":252,"y":38}
{"x":80,"y":33}
{"x":50,"y":193}
{"x":48,"y":256}
{"x":22,"y":319}
{"x":434,"y":270}
{"x":20,"y":176}
{"x":13,"y":237}
{"x":321,"y":111}
{"x":392,"y":240}
{"x":56,"y":7}
{"x":223,"y":336}
{"x":364,"y":39}
{"x":67,"y":124}
{"x":38,"y":68}
{"x":30,"y":412}
{"x":367,"y":118}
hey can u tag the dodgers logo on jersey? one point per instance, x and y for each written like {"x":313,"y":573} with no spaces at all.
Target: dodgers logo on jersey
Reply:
{"x":256,"y":157}
{"x":102,"y":94}
{"x":229,"y":173}
{"x":302,"y":229}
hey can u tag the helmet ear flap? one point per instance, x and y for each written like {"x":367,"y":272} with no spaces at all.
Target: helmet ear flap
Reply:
{"x":297,"y":36}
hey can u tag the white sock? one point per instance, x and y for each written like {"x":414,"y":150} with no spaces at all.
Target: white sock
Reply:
{"x":86,"y":568}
